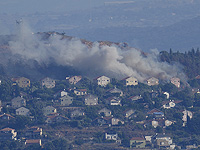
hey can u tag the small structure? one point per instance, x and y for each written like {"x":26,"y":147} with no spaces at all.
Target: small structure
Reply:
{"x":66,"y":100}
{"x":137,"y":142}
{"x":128,"y":113}
{"x":48,"y":82}
{"x":152,"y":81}
{"x":21,"y":82}
{"x":74,"y":79}
{"x":115,"y":121}
{"x":106,"y":112}
{"x":135,"y":98}
{"x":128,"y":81}
{"x":7,"y":134}
{"x":176,"y":82}
{"x":48,"y":110}
{"x":22,"y":111}
{"x":90,"y":99}
{"x":111,"y":136}
{"x":33,"y":142}
{"x":18,"y":102}
{"x":80,"y":91}
{"x":153,"y":111}
{"x":102,"y":80}
{"x":113,"y":101}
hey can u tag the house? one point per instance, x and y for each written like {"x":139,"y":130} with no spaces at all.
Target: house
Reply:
{"x":90,"y":99}
{"x":128,"y":81}
{"x":80,"y":91}
{"x":66,"y":100}
{"x":152,"y":81}
{"x":106,"y":112}
{"x":60,"y":94}
{"x":170,"y":104}
{"x":33,"y":132}
{"x":162,"y":141}
{"x":21,"y":82}
{"x":113,"y":101}
{"x":48,"y":110}
{"x":135,"y":98}
{"x":7,"y":134}
{"x":48,"y":82}
{"x":116,"y":91}
{"x":137,"y":142}
{"x":77,"y":113}
{"x":102,"y":80}
{"x":22,"y":111}
{"x":103,"y":121}
{"x":18,"y":102}
{"x":56,"y":118}
{"x":176,"y":82}
{"x":162,"y":122}
{"x":33,"y":142}
{"x":74,"y":79}
{"x":6,"y":117}
{"x":128,"y":113}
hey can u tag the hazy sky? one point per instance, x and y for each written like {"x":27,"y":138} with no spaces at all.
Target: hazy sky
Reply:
{"x":32,"y":6}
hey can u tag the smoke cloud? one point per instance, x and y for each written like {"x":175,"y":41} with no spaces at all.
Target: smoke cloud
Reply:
{"x":112,"y":61}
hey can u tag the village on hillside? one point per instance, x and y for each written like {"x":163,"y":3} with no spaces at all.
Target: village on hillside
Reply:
{"x":78,"y":113}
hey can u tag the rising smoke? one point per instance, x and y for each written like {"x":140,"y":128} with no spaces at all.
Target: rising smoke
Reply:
{"x":111,"y":61}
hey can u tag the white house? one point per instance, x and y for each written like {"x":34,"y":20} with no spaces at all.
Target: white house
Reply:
{"x":102,"y":80}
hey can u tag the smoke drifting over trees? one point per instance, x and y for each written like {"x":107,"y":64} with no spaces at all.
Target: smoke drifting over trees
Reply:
{"x":112,"y":61}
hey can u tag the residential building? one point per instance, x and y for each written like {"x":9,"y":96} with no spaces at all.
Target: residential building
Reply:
{"x":22,"y":111}
{"x":90,"y":99}
{"x":56,"y":118}
{"x":115,"y":121}
{"x":152,"y":81}
{"x":176,"y":82}
{"x":116,"y":91}
{"x":7,"y":134}
{"x":33,"y":132}
{"x":102,"y":80}
{"x":77,"y":113}
{"x":128,"y":81}
{"x":162,"y":141}
{"x":137,"y":142}
{"x":49,"y":110}
{"x":74,"y":79}
{"x":6,"y":117}
{"x":80,"y":91}
{"x":106,"y":112}
{"x":33,"y":142}
{"x":66,"y":100}
{"x":21,"y":82}
{"x":113,"y":101}
{"x":135,"y":98}
{"x":128,"y":113}
{"x":18,"y":102}
{"x":61,"y":93}
{"x":48,"y":82}
{"x":186,"y":114}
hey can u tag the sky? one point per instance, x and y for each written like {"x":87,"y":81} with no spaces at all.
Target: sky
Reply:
{"x":32,"y":6}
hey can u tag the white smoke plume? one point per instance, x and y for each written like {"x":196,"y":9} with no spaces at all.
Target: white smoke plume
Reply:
{"x":111,"y":61}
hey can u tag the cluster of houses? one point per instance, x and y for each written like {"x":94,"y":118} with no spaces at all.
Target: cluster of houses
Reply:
{"x":154,"y":117}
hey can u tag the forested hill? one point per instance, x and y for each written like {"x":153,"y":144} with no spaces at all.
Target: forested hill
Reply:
{"x":190,"y":61}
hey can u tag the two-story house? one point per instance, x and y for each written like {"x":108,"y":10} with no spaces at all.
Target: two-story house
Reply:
{"x":48,"y":82}
{"x":74,"y":79}
{"x":66,"y":100}
{"x":21,"y":82}
{"x":23,"y":111}
{"x":113,"y":101}
{"x":152,"y":81}
{"x":18,"y":102}
{"x":102,"y":80}
{"x":129,"y":81}
{"x":90,"y":99}
{"x":176,"y":82}
{"x":80,"y":92}
{"x":49,"y":110}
